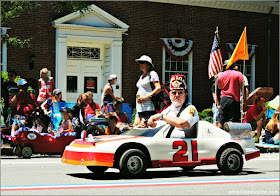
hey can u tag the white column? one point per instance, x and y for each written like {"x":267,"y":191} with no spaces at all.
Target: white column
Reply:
{"x":4,"y":57}
{"x":60,"y":63}
{"x":116,"y":65}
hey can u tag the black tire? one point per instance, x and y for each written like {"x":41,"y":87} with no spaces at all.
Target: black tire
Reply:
{"x":97,"y":169}
{"x":17,"y":150}
{"x":230,"y":162}
{"x":26,"y":152}
{"x":133,"y":163}
{"x":188,"y":168}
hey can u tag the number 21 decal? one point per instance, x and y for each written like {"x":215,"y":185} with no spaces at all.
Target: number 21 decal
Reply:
{"x":179,"y":155}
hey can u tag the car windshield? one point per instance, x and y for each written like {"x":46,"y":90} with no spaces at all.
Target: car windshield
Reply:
{"x":146,"y":132}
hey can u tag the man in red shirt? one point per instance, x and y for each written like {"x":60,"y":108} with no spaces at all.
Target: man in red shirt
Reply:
{"x":230,"y":83}
{"x":23,"y":104}
{"x":254,"y":114}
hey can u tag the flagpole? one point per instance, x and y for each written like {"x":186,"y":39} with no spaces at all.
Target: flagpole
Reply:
{"x":216,"y":108}
{"x":243,"y":95}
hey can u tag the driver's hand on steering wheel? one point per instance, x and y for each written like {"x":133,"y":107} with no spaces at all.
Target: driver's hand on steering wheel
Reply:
{"x":152,"y":119}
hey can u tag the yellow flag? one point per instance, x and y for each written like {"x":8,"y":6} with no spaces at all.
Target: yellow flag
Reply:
{"x":241,"y":50}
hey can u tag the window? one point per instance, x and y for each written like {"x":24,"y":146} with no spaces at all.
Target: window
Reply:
{"x":249,"y":70}
{"x":83,"y":53}
{"x":72,"y":84}
{"x":172,"y":67}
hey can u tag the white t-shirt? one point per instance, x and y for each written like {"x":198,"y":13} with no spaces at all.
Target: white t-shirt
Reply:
{"x":189,"y":113}
{"x":245,"y":84}
{"x":144,"y":89}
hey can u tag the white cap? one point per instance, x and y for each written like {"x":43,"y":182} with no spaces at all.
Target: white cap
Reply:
{"x":146,"y":59}
{"x":21,"y":82}
{"x":112,"y":77}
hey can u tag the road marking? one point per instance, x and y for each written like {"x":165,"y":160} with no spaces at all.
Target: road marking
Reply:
{"x":136,"y":184}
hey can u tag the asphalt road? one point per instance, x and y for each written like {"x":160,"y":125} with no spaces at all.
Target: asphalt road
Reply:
{"x":46,"y":175}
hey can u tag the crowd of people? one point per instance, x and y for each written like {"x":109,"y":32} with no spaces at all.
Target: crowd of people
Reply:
{"x":181,"y":115}
{"x":227,"y":104}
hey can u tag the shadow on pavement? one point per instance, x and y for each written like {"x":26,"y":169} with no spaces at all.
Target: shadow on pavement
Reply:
{"x":158,"y":174}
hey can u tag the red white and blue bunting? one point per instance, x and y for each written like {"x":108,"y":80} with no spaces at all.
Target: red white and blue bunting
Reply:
{"x":177,"y":48}
{"x":251,"y":48}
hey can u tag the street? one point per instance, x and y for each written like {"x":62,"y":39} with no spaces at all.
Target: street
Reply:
{"x":46,"y":175}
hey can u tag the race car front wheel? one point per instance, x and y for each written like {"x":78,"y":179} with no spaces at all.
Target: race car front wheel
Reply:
{"x":133,"y":163}
{"x":230,"y":161}
{"x":97,"y":169}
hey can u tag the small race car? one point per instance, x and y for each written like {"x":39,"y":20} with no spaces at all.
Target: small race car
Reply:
{"x":135,"y":150}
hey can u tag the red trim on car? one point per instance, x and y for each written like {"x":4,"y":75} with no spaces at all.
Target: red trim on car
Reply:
{"x":170,"y":163}
{"x":88,"y":156}
{"x":252,"y":155}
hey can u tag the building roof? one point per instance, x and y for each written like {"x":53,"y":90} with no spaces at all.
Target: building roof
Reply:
{"x":248,"y":6}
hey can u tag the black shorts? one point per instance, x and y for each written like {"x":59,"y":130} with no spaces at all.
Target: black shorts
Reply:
{"x":146,"y":114}
{"x":229,"y":111}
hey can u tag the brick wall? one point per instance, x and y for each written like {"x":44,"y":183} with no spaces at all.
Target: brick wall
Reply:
{"x":148,"y":23}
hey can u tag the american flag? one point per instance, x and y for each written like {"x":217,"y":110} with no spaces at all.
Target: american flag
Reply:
{"x":216,"y":60}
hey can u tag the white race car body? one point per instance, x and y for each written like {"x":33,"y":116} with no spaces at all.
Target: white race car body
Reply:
{"x":204,"y":148}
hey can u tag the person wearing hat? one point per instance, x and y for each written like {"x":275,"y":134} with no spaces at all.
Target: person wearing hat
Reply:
{"x":179,"y":114}
{"x":144,"y":105}
{"x":230,"y":82}
{"x":46,"y":84}
{"x":46,"y":105}
{"x":23,"y":104}
{"x":65,"y":122}
{"x":108,"y":92}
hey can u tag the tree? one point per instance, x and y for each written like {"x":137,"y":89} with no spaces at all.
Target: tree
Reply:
{"x":13,"y":9}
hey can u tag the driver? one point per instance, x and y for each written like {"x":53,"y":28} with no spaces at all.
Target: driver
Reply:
{"x":180,"y":115}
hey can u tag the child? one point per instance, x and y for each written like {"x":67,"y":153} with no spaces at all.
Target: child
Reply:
{"x":112,"y":129}
{"x":66,"y":123}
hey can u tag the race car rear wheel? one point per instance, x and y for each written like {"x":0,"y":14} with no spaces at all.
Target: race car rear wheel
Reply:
{"x":26,"y":152}
{"x":133,"y":163}
{"x":97,"y":169}
{"x":230,"y":161}
{"x":17,"y":150}
{"x":187,"y":168}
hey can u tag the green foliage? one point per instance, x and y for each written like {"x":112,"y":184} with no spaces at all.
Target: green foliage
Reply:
{"x":206,"y":115}
{"x":4,"y":75}
{"x":133,"y":115}
{"x":15,"y":41}
{"x":13,"y":9}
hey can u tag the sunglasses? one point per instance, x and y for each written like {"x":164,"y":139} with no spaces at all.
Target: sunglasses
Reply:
{"x":142,"y":62}
{"x":178,"y":93}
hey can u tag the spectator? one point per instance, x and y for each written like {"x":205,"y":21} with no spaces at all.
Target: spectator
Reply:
{"x":108,"y":93}
{"x":46,"y":84}
{"x":123,"y":119}
{"x":78,"y":111}
{"x":230,"y":83}
{"x":179,"y":114}
{"x":216,"y":105}
{"x":272,"y":129}
{"x":6,"y":87}
{"x":254,"y":115}
{"x":66,"y":123}
{"x":23,"y":104}
{"x":112,"y":128}
{"x":92,"y":107}
{"x":56,"y":97}
{"x":144,"y":105}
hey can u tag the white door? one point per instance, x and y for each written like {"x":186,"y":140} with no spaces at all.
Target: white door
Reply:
{"x":83,"y":76}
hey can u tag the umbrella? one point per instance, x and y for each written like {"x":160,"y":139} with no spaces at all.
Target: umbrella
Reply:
{"x":274,"y":103}
{"x":265,"y":92}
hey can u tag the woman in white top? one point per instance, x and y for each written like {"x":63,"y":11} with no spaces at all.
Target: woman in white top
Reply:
{"x":144,"y":104}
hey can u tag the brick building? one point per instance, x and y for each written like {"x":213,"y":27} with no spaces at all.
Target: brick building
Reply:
{"x":113,"y":34}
